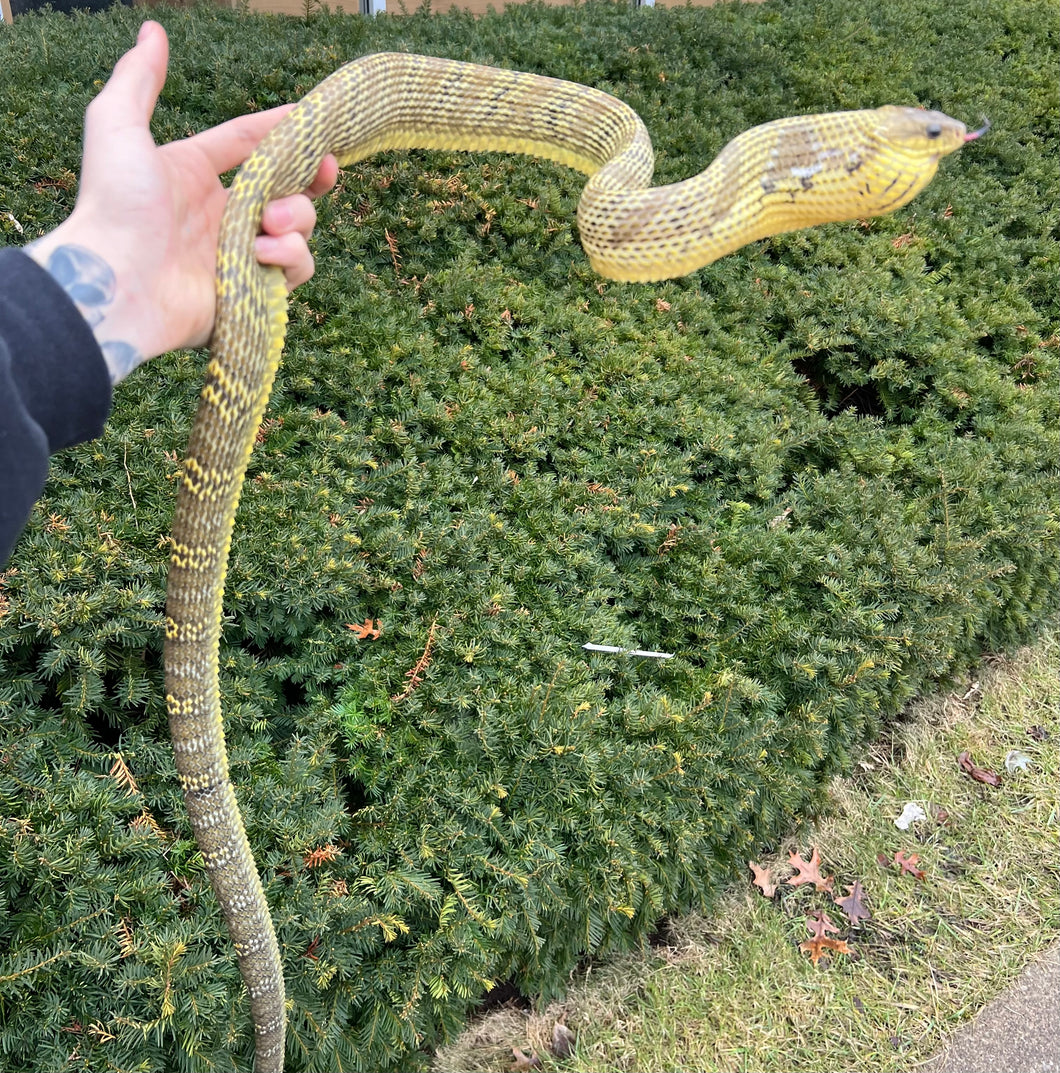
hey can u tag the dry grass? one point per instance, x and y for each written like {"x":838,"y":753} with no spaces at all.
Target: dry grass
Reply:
{"x":734,"y":992}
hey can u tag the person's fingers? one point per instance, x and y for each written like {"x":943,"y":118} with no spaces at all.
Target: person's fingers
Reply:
{"x":289,"y":252}
{"x":129,"y":97}
{"x":326,"y":176}
{"x":294,"y":213}
{"x":228,"y":144}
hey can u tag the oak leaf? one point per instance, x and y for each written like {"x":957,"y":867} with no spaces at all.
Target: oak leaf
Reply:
{"x":908,"y":865}
{"x":853,"y":904}
{"x":809,"y":871}
{"x":820,"y":924}
{"x":819,"y":948}
{"x":371,"y":628}
{"x":762,"y":879}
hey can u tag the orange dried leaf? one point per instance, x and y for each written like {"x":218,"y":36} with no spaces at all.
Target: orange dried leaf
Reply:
{"x":809,"y":871}
{"x":370,"y":629}
{"x":819,"y":948}
{"x":908,"y":865}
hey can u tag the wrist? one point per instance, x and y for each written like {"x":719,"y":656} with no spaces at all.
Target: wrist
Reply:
{"x":92,"y":273}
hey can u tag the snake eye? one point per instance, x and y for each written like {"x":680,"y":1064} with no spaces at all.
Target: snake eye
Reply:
{"x":933,"y":130}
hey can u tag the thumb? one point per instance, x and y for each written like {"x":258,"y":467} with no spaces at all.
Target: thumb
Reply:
{"x":129,"y":97}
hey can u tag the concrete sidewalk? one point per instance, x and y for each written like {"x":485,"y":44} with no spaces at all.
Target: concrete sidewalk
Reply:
{"x":1019,"y":1032}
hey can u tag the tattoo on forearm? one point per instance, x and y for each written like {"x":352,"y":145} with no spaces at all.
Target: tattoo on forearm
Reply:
{"x":121,"y":359}
{"x":91,"y":283}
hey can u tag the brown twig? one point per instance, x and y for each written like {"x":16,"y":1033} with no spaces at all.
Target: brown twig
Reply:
{"x":415,"y":676}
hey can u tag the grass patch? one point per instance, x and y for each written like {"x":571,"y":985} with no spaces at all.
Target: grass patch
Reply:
{"x":733,"y":991}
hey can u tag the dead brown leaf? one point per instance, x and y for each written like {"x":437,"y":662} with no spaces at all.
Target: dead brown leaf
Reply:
{"x":984,"y":775}
{"x":562,"y":1040}
{"x":908,"y":865}
{"x":818,"y":948}
{"x":820,"y":924}
{"x":762,"y":879}
{"x":853,"y":904}
{"x":524,"y":1062}
{"x":809,"y":871}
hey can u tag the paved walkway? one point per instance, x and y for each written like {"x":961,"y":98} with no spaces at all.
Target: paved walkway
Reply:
{"x":1019,"y":1032}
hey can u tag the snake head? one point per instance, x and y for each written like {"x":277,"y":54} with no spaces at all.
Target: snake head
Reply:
{"x":917,"y":132}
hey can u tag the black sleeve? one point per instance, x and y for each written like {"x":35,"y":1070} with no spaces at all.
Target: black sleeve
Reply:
{"x":54,"y":386}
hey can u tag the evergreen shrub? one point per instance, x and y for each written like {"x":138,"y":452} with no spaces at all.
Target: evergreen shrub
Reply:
{"x":821,"y":473}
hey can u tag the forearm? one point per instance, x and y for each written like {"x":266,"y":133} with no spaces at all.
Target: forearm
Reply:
{"x":54,"y":387}
{"x":106,"y":294}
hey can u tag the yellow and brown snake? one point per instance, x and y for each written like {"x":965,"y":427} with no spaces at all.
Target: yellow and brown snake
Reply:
{"x":785,"y":175}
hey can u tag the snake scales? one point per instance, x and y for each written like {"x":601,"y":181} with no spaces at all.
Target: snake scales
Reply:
{"x":789,"y":174}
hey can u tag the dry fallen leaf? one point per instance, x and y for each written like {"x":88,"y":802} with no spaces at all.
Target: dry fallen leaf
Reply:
{"x":818,"y":948}
{"x":562,"y":1040}
{"x":524,"y":1062}
{"x":809,"y":871}
{"x":968,"y":766}
{"x":820,"y":924}
{"x":371,"y":628}
{"x":908,"y":865}
{"x":763,"y":880}
{"x":853,"y":904}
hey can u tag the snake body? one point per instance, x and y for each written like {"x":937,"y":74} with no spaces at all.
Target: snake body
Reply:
{"x":789,"y":174}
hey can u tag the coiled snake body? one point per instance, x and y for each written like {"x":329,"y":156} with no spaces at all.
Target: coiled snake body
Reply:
{"x":789,"y":174}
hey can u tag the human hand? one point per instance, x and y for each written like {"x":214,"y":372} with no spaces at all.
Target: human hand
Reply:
{"x":138,"y":253}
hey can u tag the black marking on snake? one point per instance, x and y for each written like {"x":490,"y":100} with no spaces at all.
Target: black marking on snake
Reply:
{"x":898,"y":200}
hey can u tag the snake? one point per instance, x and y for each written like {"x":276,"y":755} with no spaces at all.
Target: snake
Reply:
{"x":785,"y":175}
